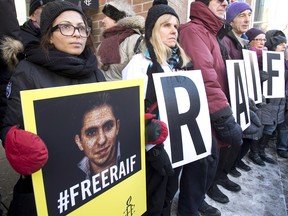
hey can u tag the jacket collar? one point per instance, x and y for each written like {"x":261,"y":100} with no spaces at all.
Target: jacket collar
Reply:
{"x":200,"y":13}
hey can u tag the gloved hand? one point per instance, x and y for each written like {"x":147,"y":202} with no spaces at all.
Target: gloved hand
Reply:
{"x":263,"y":75}
{"x":25,"y":151}
{"x":252,"y":105}
{"x":228,"y":130}
{"x":159,"y":160}
{"x":156,"y":131}
{"x":255,"y":124}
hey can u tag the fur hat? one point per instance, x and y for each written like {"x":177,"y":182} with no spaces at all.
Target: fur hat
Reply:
{"x":236,"y":8}
{"x":252,"y":33}
{"x":118,"y":9}
{"x":52,"y":10}
{"x":159,"y":8}
{"x":274,"y":38}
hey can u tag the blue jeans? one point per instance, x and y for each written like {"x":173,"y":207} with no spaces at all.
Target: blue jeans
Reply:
{"x":282,"y":131}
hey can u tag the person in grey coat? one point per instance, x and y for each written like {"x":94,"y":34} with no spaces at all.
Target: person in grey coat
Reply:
{"x":273,"y":113}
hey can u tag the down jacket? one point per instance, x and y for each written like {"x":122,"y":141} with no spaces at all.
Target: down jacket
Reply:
{"x":198,"y":39}
{"x":126,"y":48}
{"x":9,"y":33}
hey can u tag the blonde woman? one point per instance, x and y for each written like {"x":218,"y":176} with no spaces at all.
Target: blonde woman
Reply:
{"x":161,"y":54}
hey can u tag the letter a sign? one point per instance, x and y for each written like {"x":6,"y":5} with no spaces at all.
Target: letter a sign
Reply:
{"x":183,"y":107}
{"x":238,"y":92}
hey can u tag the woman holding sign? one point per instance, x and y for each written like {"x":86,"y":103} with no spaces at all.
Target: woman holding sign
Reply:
{"x":161,"y":54}
{"x":63,"y":58}
{"x":273,"y":113}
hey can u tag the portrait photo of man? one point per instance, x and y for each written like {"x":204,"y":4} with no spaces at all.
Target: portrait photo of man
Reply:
{"x":97,"y":137}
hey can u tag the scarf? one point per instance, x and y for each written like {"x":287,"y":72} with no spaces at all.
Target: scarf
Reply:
{"x":63,"y":64}
{"x":109,"y":48}
{"x":174,"y":62}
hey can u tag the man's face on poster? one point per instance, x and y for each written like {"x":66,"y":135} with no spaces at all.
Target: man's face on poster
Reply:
{"x":98,"y":137}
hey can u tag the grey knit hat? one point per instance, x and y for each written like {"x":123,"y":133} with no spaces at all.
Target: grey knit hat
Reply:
{"x":52,"y":10}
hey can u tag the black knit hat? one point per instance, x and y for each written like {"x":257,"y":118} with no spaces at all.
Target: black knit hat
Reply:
{"x":274,"y":37}
{"x":118,"y":9}
{"x":159,"y":8}
{"x":52,"y":10}
{"x":34,"y":4}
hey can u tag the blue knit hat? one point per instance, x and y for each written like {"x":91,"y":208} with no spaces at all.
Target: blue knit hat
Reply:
{"x":236,"y":8}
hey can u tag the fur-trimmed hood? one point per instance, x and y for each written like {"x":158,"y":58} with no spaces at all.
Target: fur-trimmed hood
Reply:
{"x":136,"y":23}
{"x":10,"y":49}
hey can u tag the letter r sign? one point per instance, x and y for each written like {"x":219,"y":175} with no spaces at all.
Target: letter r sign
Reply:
{"x":183,"y":107}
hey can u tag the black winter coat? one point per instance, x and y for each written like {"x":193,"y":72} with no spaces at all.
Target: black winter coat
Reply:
{"x":40,"y":71}
{"x":9,"y":27}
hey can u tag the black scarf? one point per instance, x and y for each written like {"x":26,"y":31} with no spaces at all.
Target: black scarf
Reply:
{"x":75,"y":67}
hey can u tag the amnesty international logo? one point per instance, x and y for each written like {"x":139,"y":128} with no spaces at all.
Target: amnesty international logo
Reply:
{"x":129,"y":207}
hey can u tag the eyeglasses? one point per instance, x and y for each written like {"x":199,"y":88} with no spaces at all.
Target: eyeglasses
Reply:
{"x":69,"y":30}
{"x":260,"y":39}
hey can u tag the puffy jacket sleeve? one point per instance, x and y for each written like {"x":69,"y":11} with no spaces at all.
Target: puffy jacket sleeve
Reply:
{"x":19,"y":81}
{"x":199,"y":49}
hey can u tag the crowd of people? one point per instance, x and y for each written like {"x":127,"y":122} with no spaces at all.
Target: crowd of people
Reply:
{"x":55,"y":48}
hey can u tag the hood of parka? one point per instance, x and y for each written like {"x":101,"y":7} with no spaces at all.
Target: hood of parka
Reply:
{"x":10,"y":50}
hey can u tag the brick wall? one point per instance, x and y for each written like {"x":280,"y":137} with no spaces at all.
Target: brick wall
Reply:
{"x":141,"y":7}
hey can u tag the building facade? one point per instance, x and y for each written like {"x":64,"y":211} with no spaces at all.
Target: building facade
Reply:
{"x":267,"y":14}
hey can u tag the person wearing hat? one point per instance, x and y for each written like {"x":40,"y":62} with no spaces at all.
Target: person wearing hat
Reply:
{"x":257,"y":41}
{"x":56,"y":62}
{"x":9,"y":34}
{"x":161,"y":53}
{"x":275,"y":110}
{"x":199,"y":40}
{"x":30,"y":30}
{"x":122,"y":30}
{"x":238,"y":15}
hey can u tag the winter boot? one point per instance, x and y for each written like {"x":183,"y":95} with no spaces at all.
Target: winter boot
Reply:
{"x":262,"y":145}
{"x":254,"y":153}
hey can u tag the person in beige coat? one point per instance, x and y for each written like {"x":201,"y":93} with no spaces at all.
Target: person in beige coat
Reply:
{"x":121,"y":35}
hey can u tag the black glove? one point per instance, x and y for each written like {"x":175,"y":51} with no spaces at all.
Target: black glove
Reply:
{"x":156,"y":131}
{"x":159,"y":160}
{"x":255,"y":124}
{"x":252,"y":105}
{"x":228,"y":130}
{"x":263,"y":75}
